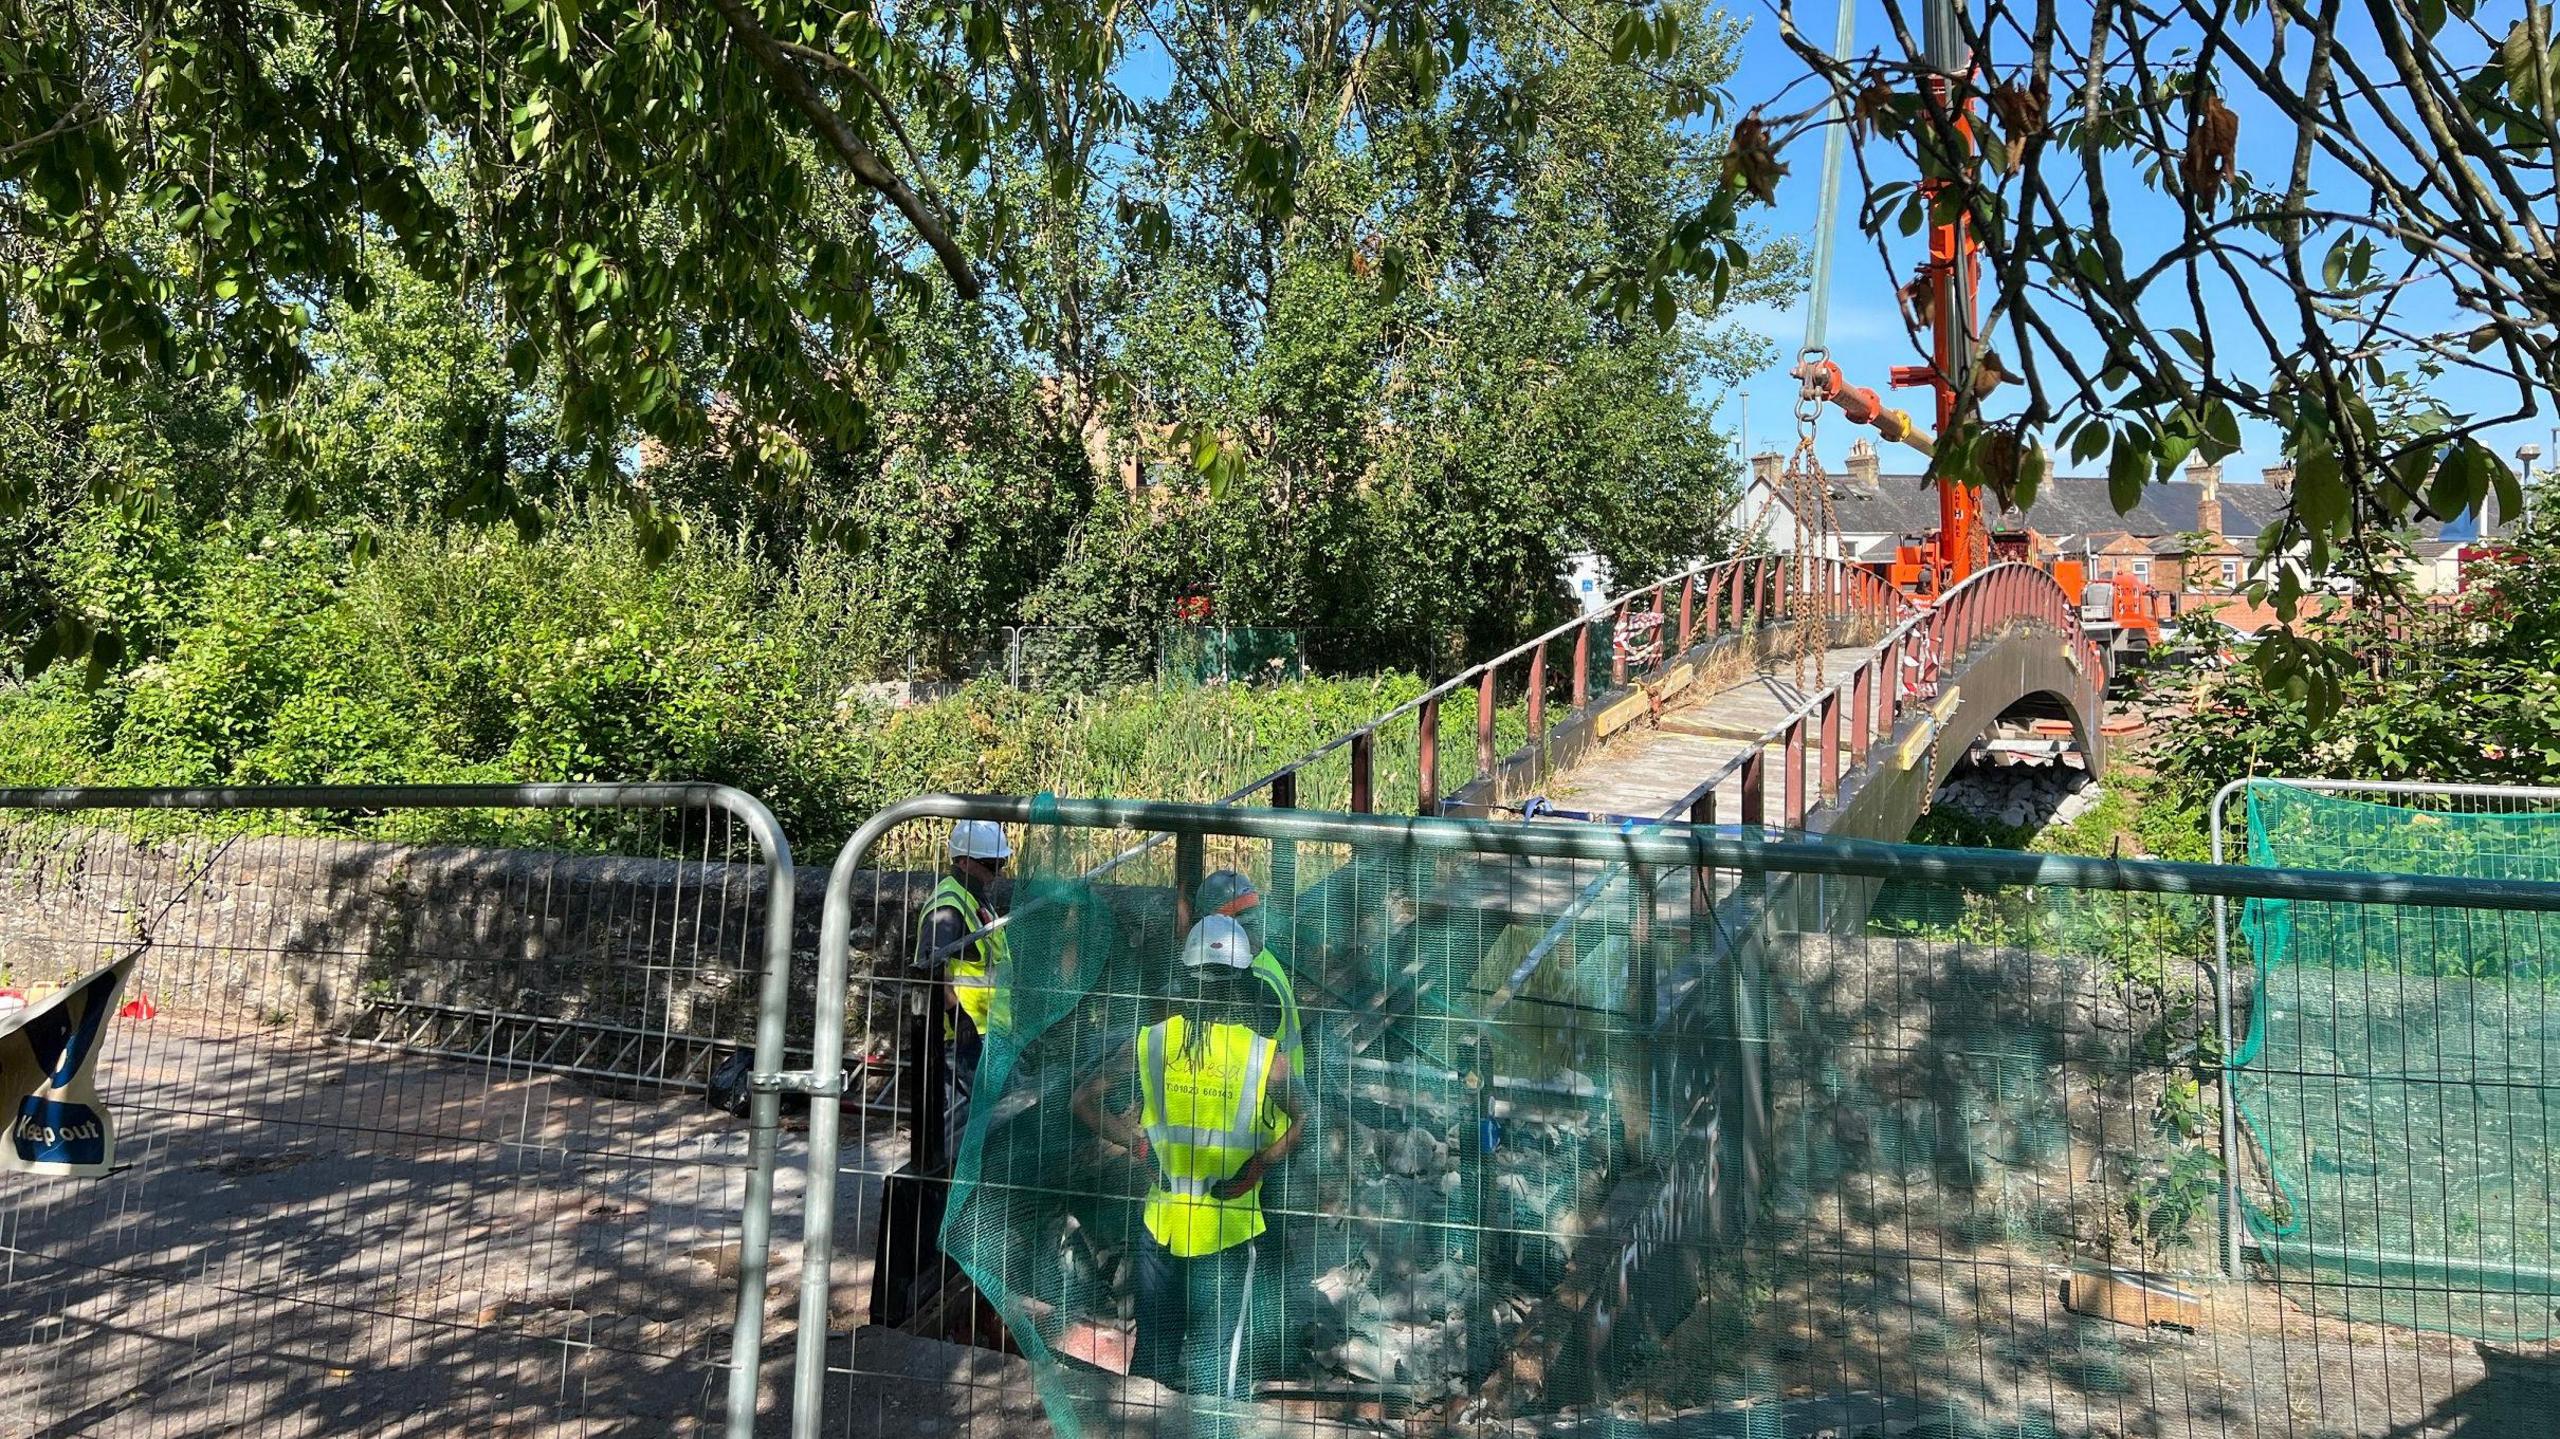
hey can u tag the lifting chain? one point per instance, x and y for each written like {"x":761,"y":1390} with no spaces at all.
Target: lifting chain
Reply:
{"x":1809,"y":497}
{"x":1925,"y":687}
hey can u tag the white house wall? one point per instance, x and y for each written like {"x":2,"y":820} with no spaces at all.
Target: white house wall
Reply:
{"x":1764,"y":517}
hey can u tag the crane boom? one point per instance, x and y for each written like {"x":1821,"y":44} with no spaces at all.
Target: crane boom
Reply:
{"x":1946,"y":293}
{"x":1948,"y":287}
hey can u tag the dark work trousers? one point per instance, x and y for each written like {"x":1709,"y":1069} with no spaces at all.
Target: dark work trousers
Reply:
{"x":1201,"y":1322}
{"x":960,"y":1077}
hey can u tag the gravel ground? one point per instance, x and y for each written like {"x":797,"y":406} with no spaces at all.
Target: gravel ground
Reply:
{"x":2414,"y":1115}
{"x":1980,"y":1333}
{"x":308,"y":1239}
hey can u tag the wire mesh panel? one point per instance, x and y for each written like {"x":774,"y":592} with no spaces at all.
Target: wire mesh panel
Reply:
{"x":1595,"y":1132}
{"x":2394,"y":1063}
{"x":410,"y":1138}
{"x":1075,"y":657}
{"x":1229,"y":654}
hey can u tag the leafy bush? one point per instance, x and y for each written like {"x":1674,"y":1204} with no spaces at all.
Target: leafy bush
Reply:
{"x":477,"y":656}
{"x":2460,"y":689}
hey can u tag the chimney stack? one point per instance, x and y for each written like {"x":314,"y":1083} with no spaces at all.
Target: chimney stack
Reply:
{"x":2208,"y":482}
{"x":2279,"y":477}
{"x":1865,"y":466}
{"x":1769,"y":467}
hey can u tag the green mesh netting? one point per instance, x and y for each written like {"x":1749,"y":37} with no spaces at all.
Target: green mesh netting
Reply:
{"x":1461,"y":1138}
{"x":1594,"y":1150}
{"x":1230,"y":654}
{"x":2396,"y":1075}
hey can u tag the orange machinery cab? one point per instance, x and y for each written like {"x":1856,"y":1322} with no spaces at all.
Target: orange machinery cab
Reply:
{"x":1912,"y":569}
{"x":2122,"y":614}
{"x":2073,"y":576}
{"x":2139,"y":608}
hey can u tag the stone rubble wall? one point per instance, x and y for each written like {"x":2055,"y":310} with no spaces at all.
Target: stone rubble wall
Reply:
{"x":305,"y":932}
{"x":2020,"y":795}
{"x":1923,"y":1083}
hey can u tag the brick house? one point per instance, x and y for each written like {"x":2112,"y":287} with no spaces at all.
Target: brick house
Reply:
{"x":2194,"y":539}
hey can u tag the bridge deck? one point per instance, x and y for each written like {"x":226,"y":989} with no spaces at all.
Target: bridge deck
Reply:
{"x":1649,"y":769}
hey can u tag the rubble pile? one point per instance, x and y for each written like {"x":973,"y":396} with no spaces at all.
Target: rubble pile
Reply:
{"x":2025,"y":795}
{"x":1389,"y":1282}
{"x":1433,"y":1249}
{"x":1937,"y":1082}
{"x":1420,"y":1230}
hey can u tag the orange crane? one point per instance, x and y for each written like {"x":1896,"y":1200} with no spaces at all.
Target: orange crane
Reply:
{"x":2124,"y":613}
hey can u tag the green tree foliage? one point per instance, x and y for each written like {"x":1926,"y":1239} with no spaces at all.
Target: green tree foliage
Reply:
{"x":409,"y":408}
{"x":473,"y":655}
{"x":1354,"y":317}
{"x":2467,"y":689}
{"x":658,"y":204}
{"x":2207,"y":211}
{"x":1410,"y":370}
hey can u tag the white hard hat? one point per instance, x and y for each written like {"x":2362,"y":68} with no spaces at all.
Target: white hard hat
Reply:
{"x":979,"y":839}
{"x":1218,"y":940}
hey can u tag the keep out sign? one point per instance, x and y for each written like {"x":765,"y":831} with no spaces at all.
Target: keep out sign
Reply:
{"x":48,"y":1052}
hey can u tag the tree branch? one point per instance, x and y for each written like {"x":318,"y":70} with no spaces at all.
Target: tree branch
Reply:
{"x":80,"y":115}
{"x":862,"y":78}
{"x":859,"y":157}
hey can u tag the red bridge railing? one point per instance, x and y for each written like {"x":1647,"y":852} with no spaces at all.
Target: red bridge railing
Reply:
{"x":1687,"y":616}
{"x":1704,"y":608}
{"x":1900,"y":677}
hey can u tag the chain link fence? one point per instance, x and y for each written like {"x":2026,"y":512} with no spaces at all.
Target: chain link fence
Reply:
{"x":2395,"y":1102}
{"x":1090,"y":659}
{"x":1672,"y":1131}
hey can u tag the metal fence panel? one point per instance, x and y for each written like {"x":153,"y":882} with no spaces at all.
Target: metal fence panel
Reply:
{"x":412,"y":1138}
{"x":2393,"y":1077}
{"x":1672,"y":1132}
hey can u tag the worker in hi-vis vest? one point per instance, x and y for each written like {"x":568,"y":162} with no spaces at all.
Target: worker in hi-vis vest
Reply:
{"x":976,"y":997}
{"x":1231,"y":894}
{"x":1217,"y":1110}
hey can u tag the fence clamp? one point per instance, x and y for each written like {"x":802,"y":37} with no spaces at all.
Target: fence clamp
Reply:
{"x":798,"y":1081}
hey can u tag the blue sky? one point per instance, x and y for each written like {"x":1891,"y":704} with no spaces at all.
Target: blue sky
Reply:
{"x":1866,"y":331}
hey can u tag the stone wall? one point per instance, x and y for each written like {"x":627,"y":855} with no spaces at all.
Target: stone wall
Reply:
{"x":305,"y":932}
{"x":1935,"y":1086}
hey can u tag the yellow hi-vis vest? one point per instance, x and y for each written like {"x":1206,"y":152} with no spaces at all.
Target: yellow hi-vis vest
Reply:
{"x":1204,"y":1115}
{"x":980,"y":973}
{"x":1274,"y":977}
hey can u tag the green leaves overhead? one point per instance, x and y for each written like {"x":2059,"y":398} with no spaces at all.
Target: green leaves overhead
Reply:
{"x":2128,"y":469}
{"x":693,"y":220}
{"x":2467,"y":690}
{"x":2201,"y":225}
{"x":1026,"y":323}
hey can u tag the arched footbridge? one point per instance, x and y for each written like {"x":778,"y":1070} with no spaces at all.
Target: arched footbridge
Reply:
{"x":1792,"y":695}
{"x":1802,"y":695}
